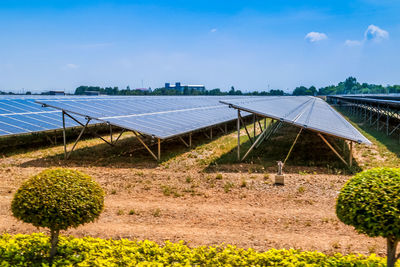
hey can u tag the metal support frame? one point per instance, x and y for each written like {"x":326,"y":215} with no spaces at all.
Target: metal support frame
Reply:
{"x":265,"y":135}
{"x":64,"y":135}
{"x":244,"y":124}
{"x":351,"y":154}
{"x":238,"y":135}
{"x":274,"y":127}
{"x":377,"y":114}
{"x":77,"y":139}
{"x":183,"y":141}
{"x":95,"y":133}
{"x":254,"y":126}
{"x":259,"y":124}
{"x":85,"y":126}
{"x":333,"y":149}
{"x":148,"y":149}
{"x":291,"y":148}
{"x":159,"y":148}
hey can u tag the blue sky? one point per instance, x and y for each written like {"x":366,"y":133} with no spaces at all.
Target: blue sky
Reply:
{"x":252,"y":45}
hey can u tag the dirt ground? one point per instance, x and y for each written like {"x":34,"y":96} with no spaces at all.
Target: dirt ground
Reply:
{"x":180,"y":200}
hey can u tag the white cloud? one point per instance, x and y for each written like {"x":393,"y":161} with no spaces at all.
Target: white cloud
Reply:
{"x":71,"y":66}
{"x":213,"y":30}
{"x":352,"y":43}
{"x":316,"y":36}
{"x":374,"y":33}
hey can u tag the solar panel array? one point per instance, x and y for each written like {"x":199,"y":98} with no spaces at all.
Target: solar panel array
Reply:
{"x":303,"y":111}
{"x":159,"y":116}
{"x":392,"y":102}
{"x":20,"y":115}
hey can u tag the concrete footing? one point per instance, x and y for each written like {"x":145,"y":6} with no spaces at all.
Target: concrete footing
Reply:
{"x":279,"y":179}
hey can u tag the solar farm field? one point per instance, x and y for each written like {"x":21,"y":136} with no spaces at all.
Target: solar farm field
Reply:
{"x":203,"y":196}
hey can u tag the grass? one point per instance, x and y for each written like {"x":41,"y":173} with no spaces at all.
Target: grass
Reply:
{"x":228,"y":186}
{"x":132,"y":212}
{"x":386,"y":152}
{"x":156,"y":212}
{"x":169,"y":190}
{"x":310,"y":151}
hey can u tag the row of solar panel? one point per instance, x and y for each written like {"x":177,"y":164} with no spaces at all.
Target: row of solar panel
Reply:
{"x":162,"y":117}
{"x":21,"y":114}
{"x":303,"y":111}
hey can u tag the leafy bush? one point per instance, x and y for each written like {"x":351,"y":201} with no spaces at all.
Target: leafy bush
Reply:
{"x":370,"y":201}
{"x":58,"y":199}
{"x":29,"y":250}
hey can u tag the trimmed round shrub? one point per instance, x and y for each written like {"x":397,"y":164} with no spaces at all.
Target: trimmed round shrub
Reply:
{"x":370,"y":201}
{"x":58,"y":199}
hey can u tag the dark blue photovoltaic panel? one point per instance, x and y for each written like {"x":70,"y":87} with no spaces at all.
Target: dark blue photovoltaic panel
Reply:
{"x":304,"y":111}
{"x":20,"y":114}
{"x":159,"y":116}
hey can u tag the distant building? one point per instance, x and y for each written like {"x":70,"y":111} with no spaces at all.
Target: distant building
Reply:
{"x":179,"y":87}
{"x":142,"y":89}
{"x":54,"y":93}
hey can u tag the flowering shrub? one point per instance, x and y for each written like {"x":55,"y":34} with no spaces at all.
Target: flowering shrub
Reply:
{"x":31,"y":250}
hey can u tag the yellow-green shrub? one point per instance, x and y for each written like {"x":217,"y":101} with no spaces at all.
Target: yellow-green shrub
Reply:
{"x":29,"y":250}
{"x":370,"y":201}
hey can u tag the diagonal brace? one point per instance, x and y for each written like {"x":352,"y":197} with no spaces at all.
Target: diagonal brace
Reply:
{"x":333,"y":149}
{"x":77,"y":139}
{"x":144,"y":144}
{"x":291,"y":148}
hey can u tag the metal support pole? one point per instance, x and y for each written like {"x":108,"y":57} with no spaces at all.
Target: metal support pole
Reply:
{"x":258,"y":141}
{"x":259,"y":124}
{"x":238,"y":135}
{"x":79,"y":137}
{"x":211,"y":133}
{"x":254,"y":126}
{"x":111,"y":139}
{"x":116,"y":140}
{"x":247,"y":132}
{"x":144,"y":144}
{"x":265,"y":123}
{"x":387,"y":122}
{"x":190,"y":139}
{"x":333,"y":149}
{"x":159,"y":149}
{"x":226,"y":128}
{"x":291,"y":148}
{"x":351,"y":154}
{"x":64,"y":135}
{"x":183,"y":141}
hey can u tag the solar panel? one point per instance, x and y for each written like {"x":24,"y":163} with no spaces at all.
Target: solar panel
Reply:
{"x":159,"y":116}
{"x":20,"y":115}
{"x":304,"y":111}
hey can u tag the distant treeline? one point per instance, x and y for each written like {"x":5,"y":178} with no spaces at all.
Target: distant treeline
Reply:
{"x":349,"y":86}
{"x":84,"y":90}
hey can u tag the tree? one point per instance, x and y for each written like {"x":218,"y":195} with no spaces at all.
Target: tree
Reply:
{"x":349,"y":84}
{"x":370,"y":201}
{"x":302,"y":90}
{"x":58,"y":199}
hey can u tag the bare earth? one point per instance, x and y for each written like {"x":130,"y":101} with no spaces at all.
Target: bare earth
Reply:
{"x":182,"y":201}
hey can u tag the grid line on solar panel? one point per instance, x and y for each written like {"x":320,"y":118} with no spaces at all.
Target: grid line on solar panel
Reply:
{"x":20,"y":114}
{"x":162,"y":117}
{"x":307,"y":112}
